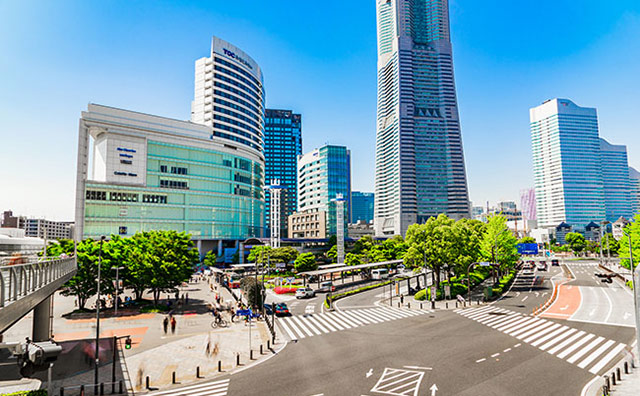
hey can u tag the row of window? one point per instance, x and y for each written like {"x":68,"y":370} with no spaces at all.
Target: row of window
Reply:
{"x":176,"y":170}
{"x":154,"y":198}
{"x":123,"y":197}
{"x":174,"y":184}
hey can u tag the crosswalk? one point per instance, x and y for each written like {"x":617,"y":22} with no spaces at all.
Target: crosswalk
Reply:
{"x":297,"y":327}
{"x":585,"y":350}
{"x":215,"y":388}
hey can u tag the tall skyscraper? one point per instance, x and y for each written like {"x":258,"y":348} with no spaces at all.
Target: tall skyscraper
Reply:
{"x":282,"y":146}
{"x":634,"y":180}
{"x":420,"y":170}
{"x":323,"y":174}
{"x":229,"y":96}
{"x":566,"y":164}
{"x":362,"y":206}
{"x":615,"y":177}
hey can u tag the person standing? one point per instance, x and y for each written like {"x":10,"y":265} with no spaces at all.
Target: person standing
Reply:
{"x":165,"y":324}
{"x":173,"y":325}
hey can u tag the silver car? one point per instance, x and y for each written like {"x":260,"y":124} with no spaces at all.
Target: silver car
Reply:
{"x":305,"y":292}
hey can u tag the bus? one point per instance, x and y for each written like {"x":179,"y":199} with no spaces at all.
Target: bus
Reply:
{"x":380,"y":273}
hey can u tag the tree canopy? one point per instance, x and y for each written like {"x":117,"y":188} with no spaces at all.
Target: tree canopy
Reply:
{"x":576,"y":241}
{"x":305,"y":262}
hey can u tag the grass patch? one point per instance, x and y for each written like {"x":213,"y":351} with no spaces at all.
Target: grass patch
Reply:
{"x":37,"y":392}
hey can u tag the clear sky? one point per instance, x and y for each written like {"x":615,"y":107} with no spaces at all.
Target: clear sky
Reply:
{"x":319,"y":59}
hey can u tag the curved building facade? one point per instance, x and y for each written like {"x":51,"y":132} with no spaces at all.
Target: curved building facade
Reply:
{"x":229,"y":95}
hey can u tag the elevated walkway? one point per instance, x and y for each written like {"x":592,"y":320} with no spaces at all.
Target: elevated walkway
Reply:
{"x":25,"y":286}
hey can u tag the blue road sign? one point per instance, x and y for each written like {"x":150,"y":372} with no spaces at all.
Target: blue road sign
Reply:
{"x":528,"y":248}
{"x":243,"y":312}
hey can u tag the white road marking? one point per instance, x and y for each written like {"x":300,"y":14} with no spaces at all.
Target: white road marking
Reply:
{"x":506,"y":350}
{"x":575,"y":346}
{"x":603,"y":362}
{"x":584,"y":350}
{"x":495,"y":354}
{"x":481,"y":360}
{"x":419,"y":368}
{"x":525,"y":297}
{"x":595,"y":354}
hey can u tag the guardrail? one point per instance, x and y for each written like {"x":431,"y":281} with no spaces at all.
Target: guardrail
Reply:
{"x":20,"y":280}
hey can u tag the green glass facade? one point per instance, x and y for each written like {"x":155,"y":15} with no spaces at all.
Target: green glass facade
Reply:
{"x":208,"y":194}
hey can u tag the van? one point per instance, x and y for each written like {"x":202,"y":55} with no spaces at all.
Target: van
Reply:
{"x":380,"y":273}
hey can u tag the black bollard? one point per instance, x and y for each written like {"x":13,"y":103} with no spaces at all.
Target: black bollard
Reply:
{"x":261,"y":349}
{"x":268,"y":344}
{"x":173,"y":377}
{"x":251,"y":354}
{"x":618,"y":373}
{"x":147,"y":383}
{"x":409,"y":305}
{"x":420,"y":305}
{"x":626,"y":368}
{"x":219,"y":366}
{"x":237,"y":359}
{"x":197,"y":371}
{"x":446,"y":305}
{"x":101,"y":388}
{"x":613,"y":378}
{"x":398,"y":305}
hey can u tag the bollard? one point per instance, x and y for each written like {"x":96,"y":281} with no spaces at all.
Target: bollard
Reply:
{"x":120,"y":386}
{"x":261,"y":349}
{"x":446,"y":305}
{"x":237,"y":359}
{"x":147,"y":383}
{"x":607,"y":384}
{"x":420,"y":305}
{"x":409,"y":305}
{"x":101,"y":388}
{"x":618,"y":373}
{"x":605,"y":391}
{"x":613,"y":378}
{"x":626,"y":368}
{"x":398,"y":305}
{"x":173,"y":377}
{"x":456,"y":304}
{"x":268,"y":344}
{"x":197,"y":371}
{"x":251,"y":354}
{"x":62,"y":391}
{"x":219,"y":366}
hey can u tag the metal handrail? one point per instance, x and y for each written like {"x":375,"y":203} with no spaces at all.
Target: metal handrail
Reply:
{"x":20,"y":280}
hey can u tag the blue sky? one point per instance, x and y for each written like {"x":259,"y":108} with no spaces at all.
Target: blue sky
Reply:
{"x":319,"y":59}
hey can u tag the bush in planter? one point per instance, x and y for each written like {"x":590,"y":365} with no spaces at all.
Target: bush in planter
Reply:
{"x":421,"y":295}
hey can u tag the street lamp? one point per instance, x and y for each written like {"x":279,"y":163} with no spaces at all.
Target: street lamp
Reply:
{"x":602,"y":223}
{"x":97,"y":357}
{"x":117,"y":289}
{"x":635,"y":289}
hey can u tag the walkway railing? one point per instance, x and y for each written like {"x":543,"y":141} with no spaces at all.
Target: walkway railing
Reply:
{"x":20,"y":280}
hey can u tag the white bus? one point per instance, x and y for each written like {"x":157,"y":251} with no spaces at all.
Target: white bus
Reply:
{"x":380,"y":273}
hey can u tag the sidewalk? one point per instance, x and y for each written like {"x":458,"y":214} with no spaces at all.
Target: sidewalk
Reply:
{"x":629,"y":385}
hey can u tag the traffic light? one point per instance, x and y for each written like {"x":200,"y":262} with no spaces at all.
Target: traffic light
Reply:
{"x":36,"y":356}
{"x":127,"y":343}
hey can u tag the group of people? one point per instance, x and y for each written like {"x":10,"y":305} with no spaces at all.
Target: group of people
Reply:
{"x":169,"y":320}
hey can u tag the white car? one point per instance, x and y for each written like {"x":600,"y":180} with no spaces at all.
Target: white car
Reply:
{"x":305,"y":292}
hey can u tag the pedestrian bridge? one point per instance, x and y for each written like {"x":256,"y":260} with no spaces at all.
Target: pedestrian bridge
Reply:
{"x":26,"y":285}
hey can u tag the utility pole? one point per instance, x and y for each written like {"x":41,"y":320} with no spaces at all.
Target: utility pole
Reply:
{"x":95,"y":375}
{"x":635,"y":280}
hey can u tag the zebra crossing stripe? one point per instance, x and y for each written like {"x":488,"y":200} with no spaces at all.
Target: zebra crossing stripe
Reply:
{"x":522,"y":326}
{"x":603,"y":362}
{"x":549,"y":336}
{"x":384,"y":317}
{"x":542,"y":332}
{"x":595,"y":354}
{"x":303,"y":326}
{"x":360,"y":314}
{"x":371,"y":318}
{"x":322,"y":319}
{"x":211,"y":388}
{"x":513,"y":324}
{"x":558,"y":339}
{"x":534,"y":330}
{"x":507,"y":323}
{"x":298,"y":331}
{"x":315,"y":321}
{"x":575,"y":346}
{"x":286,"y":329}
{"x":351,"y":321}
{"x":500,"y":319}
{"x":566,"y":342}
{"x":584,"y":350}
{"x":392,"y":313}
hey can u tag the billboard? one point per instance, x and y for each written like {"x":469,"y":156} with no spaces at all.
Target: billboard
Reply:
{"x":528,"y":248}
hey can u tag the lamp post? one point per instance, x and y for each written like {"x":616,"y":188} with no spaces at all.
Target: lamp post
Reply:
{"x":636,"y":303}
{"x":117,"y":289}
{"x":97,"y":356}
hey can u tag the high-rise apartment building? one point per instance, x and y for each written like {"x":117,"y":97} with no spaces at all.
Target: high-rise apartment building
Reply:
{"x":615,"y":177}
{"x":528,"y":204}
{"x":361,"y":206}
{"x":634,"y":181}
{"x":566,"y":164}
{"x":420,"y":169}
{"x":323,"y":175}
{"x":229,"y":95}
{"x":282,"y":146}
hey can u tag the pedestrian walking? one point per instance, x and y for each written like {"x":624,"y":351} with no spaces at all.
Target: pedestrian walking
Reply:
{"x":173,"y":325}
{"x":165,"y":324}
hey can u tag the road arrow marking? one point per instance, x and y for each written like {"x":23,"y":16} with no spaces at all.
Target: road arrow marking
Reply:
{"x":593,"y":312}
{"x":369,"y":373}
{"x":626,"y":316}
{"x":433,"y":389}
{"x":564,"y":308}
{"x":537,"y":294}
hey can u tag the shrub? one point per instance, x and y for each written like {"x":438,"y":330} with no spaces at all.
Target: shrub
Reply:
{"x":285,"y":290}
{"x":630,"y":284}
{"x":421,"y":295}
{"x":37,"y":392}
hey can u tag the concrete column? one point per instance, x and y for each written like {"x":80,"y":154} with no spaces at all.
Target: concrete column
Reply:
{"x":199,"y":246}
{"x":42,"y":320}
{"x":219,"y":247}
{"x":241,"y":253}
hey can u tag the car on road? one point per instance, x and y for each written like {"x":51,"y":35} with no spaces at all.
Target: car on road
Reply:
{"x":542,"y":266}
{"x":326,"y":287}
{"x":281,"y":309}
{"x":555,"y":262}
{"x":268,"y":309}
{"x":304,"y":292}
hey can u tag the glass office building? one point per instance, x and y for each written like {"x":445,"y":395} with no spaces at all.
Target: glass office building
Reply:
{"x":361,"y":206}
{"x":566,"y":164}
{"x":634,"y":180}
{"x":282,"y":146}
{"x":615,"y":177}
{"x":154,"y":173}
{"x":420,"y":169}
{"x":323,"y":174}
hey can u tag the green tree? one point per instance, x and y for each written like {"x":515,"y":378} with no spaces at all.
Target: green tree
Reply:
{"x":632,"y":229}
{"x":527,"y":239}
{"x":305,"y":262}
{"x":284,"y":254}
{"x":576,"y":242}
{"x":210,"y":258}
{"x":332,"y":254}
{"x":253,"y":290}
{"x":352,"y":259}
{"x":610,"y":244}
{"x":498,"y":244}
{"x":259,"y":254}
{"x":363,"y":244}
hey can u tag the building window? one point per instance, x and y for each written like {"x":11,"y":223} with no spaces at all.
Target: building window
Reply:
{"x":163,"y":168}
{"x":123,"y":197}
{"x":176,"y":170}
{"x":174,"y":184}
{"x":152,"y":198}
{"x":96,"y":195}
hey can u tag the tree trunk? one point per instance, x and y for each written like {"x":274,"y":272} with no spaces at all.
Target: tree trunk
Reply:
{"x":81,"y":302}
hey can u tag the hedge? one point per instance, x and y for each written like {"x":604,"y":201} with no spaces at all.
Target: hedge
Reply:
{"x":355,"y":291}
{"x":37,"y":392}
{"x":630,"y":284}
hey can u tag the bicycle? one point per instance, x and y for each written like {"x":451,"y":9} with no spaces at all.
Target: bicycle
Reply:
{"x":219,"y":322}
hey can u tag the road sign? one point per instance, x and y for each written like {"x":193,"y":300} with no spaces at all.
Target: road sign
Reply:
{"x":528,"y":248}
{"x":484,"y":264}
{"x":433,"y":293}
{"x":290,"y":279}
{"x":243,"y":312}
